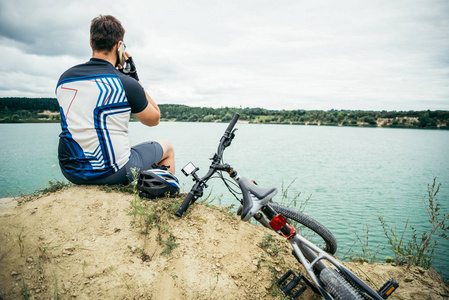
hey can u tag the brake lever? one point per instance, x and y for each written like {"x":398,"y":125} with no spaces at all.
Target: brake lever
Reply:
{"x":228,"y":138}
{"x":228,"y":141}
{"x":198,"y":194}
{"x":232,"y":135}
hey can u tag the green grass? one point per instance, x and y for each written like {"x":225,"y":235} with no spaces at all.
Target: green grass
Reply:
{"x":42,"y":256}
{"x":123,"y":279}
{"x":25,"y":292}
{"x":20,"y":239}
{"x":269,"y":245}
{"x":154,"y":214}
{"x":53,"y":186}
{"x":169,"y":244}
{"x":127,"y":189}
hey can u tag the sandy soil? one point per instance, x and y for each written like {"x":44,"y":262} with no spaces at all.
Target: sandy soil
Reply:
{"x":82,"y":243}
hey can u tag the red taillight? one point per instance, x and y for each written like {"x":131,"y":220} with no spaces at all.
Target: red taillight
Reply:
{"x":278,"y":222}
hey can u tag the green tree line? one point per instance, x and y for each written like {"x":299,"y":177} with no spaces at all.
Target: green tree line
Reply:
{"x":20,"y":110}
{"x":47,"y":110}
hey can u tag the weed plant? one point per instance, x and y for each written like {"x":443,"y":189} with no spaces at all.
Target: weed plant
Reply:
{"x":56,"y":286}
{"x":419,"y":250}
{"x":209,"y":200}
{"x":122,"y":278}
{"x":169,"y":244}
{"x":127,"y":189}
{"x":25,"y":292}
{"x":368,"y":254}
{"x":155,"y":214}
{"x":20,"y":239}
{"x":292,"y":201}
{"x":274,"y":251}
{"x":213,"y":286}
{"x":269,"y":245}
{"x":43,"y":256}
{"x":53,"y":186}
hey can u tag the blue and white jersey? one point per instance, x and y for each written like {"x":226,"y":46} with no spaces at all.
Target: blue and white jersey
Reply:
{"x":96,"y":101}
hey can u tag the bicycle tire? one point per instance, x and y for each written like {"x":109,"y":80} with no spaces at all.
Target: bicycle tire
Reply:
{"x":338,"y":286}
{"x":315,"y":226}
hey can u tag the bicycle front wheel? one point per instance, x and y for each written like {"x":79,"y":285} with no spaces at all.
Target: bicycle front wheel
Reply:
{"x":337,"y":286}
{"x":316,"y":227}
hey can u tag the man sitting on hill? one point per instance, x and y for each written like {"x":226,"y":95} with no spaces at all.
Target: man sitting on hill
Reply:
{"x":96,"y":100}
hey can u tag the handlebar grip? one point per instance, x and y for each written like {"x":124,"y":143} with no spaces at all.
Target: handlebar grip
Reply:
{"x":232,"y":124}
{"x":185,"y":204}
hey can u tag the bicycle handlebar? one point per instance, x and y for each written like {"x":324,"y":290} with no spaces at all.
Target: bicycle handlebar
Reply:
{"x":185,"y":204}
{"x":224,"y":142}
{"x":232,"y":123}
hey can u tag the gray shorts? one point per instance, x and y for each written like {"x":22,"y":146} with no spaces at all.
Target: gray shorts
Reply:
{"x":143,"y":156}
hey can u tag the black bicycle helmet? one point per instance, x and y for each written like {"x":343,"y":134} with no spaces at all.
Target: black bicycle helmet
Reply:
{"x":156,"y":183}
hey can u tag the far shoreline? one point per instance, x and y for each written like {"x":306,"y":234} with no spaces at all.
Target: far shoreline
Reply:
{"x":15,"y":110}
{"x":359,"y":125}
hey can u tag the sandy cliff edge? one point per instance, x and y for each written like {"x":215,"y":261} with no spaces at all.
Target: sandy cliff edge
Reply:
{"x":79,"y":242}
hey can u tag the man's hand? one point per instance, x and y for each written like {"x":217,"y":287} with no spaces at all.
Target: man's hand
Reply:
{"x":129,"y":68}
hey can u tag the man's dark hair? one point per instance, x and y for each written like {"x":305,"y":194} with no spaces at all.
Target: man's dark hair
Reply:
{"x":105,"y":32}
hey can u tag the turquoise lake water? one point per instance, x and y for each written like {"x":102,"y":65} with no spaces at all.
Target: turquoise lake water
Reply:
{"x":351,"y":175}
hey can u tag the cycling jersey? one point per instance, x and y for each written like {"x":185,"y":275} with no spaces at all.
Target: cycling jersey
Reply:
{"x":96,"y":101}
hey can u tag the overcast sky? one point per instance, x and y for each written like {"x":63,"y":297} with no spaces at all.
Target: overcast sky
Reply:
{"x":346,"y":54}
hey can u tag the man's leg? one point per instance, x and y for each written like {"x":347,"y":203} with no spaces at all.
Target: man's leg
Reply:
{"x":168,"y":158}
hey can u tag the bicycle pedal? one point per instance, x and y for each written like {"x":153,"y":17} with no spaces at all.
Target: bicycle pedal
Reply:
{"x":388,"y":288}
{"x":294,"y":287}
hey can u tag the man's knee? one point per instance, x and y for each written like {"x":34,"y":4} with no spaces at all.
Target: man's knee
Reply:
{"x":168,"y":157}
{"x":167,"y":147}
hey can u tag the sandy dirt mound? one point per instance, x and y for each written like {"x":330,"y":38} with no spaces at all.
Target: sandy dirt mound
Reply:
{"x":86,"y":243}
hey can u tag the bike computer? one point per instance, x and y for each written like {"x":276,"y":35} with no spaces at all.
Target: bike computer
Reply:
{"x":189,"y":169}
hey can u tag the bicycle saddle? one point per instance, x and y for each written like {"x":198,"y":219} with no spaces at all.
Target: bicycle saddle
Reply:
{"x":254,"y":197}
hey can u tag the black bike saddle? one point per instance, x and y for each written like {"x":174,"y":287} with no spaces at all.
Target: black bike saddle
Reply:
{"x":254,"y":197}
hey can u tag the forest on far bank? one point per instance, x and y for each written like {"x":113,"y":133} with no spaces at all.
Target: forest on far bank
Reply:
{"x":35,"y":110}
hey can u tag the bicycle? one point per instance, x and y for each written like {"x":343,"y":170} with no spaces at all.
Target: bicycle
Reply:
{"x":330,"y":278}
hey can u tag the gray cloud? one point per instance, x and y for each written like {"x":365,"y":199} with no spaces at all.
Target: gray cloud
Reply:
{"x":31,"y":27}
{"x":294,"y":54}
